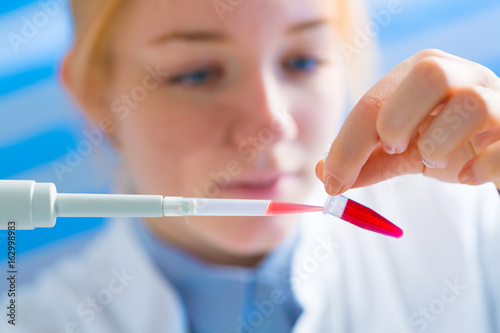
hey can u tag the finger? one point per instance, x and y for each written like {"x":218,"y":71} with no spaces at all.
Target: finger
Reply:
{"x":382,"y":166}
{"x":483,"y":168}
{"x":482,"y":140}
{"x":431,"y":82}
{"x":353,"y":145}
{"x":468,"y":112}
{"x":358,"y":136}
{"x":455,"y":164}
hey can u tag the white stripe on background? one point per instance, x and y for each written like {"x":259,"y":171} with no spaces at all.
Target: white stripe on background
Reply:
{"x":44,"y":46}
{"x":33,"y":110}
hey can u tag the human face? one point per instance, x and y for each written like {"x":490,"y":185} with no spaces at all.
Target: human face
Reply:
{"x":241,"y":105}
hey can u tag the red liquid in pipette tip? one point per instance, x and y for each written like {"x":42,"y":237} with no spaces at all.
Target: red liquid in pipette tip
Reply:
{"x":280,"y":208}
{"x":354,"y":213}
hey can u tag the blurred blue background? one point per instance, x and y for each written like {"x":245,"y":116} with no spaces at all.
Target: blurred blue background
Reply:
{"x":40,"y":129}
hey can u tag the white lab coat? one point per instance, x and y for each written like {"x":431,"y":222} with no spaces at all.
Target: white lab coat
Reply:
{"x":442,"y":276}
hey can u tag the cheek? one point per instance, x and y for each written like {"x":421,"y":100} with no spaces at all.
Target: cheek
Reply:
{"x":164,"y":149}
{"x":319,"y":116}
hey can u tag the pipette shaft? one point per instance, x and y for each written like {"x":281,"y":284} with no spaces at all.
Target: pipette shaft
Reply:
{"x":33,"y":205}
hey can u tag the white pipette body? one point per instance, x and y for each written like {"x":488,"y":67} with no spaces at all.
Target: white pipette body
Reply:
{"x":31,"y":205}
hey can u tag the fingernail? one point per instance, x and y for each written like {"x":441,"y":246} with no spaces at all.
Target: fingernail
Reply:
{"x":316,"y":170}
{"x":394,"y":149}
{"x":333,"y":186}
{"x":467,"y":176}
{"x":432,"y":165}
{"x":428,"y":164}
{"x":389,"y":149}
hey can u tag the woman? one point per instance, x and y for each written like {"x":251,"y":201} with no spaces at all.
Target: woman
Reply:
{"x":236,"y":100}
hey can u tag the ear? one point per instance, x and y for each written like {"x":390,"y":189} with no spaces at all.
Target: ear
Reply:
{"x":66,"y":75}
{"x":93,"y":107}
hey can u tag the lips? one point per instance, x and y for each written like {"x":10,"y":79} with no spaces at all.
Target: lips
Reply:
{"x":258,"y":186}
{"x":254,"y":184}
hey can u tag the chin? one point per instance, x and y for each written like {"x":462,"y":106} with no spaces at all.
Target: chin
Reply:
{"x":253,"y":235}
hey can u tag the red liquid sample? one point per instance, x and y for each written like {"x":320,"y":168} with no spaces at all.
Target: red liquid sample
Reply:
{"x":368,"y":219}
{"x":280,"y":208}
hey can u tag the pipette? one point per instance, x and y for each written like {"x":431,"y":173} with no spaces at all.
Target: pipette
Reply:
{"x":28,"y":205}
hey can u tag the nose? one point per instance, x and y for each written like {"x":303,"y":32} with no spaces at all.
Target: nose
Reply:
{"x":263,"y":111}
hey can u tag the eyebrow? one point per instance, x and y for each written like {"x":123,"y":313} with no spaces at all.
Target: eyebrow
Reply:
{"x":308,"y":25}
{"x":207,"y":36}
{"x":191,"y":36}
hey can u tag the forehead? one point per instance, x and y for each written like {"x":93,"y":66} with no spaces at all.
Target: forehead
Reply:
{"x":255,"y":17}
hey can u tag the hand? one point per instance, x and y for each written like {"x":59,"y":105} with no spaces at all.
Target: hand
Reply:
{"x":434,"y":113}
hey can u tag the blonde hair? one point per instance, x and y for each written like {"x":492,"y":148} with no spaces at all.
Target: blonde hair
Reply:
{"x":90,"y":56}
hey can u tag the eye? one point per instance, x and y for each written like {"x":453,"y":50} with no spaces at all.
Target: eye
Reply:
{"x":196,"y":77}
{"x":302,"y":64}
